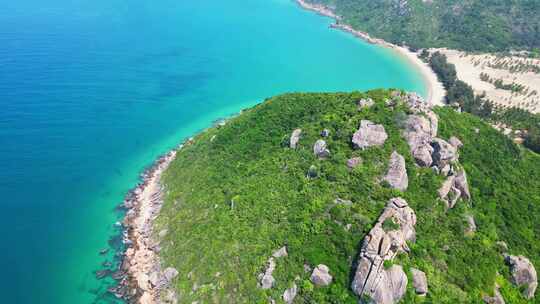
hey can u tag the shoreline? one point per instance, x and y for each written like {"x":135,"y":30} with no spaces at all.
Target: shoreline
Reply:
{"x":140,"y":277}
{"x":435,"y":89}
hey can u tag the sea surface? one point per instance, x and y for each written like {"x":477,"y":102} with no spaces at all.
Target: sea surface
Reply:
{"x":92,"y":91}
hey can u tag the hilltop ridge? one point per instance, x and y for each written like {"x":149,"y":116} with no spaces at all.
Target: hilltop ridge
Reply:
{"x":283,"y":202}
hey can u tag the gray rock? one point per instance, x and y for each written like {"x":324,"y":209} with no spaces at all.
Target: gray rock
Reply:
{"x":462,"y":184}
{"x":170,"y":273}
{"x":290,"y":294}
{"x":455,"y":142}
{"x":325,"y":133}
{"x":267,"y":279}
{"x":523,"y":273}
{"x":397,"y":172}
{"x":471,"y":224}
{"x":419,"y":281}
{"x":443,"y":153}
{"x":365,"y":103}
{"x":320,"y":149}
{"x":295,"y":138}
{"x":354,"y":162}
{"x":502,"y":246}
{"x":281,"y":252}
{"x":418,"y":132}
{"x":496,"y":299}
{"x":369,"y":135}
{"x":385,"y":286}
{"x":321,"y":276}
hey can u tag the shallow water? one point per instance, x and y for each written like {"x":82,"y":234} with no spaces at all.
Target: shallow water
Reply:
{"x":93,"y":91}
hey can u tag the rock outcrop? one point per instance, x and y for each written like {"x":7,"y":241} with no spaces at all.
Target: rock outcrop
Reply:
{"x":295,"y":138}
{"x":419,"y":282}
{"x":368,"y":135}
{"x":523,"y":274}
{"x":321,"y":275}
{"x":385,"y":286}
{"x":320,"y":150}
{"x":396,"y":176}
{"x":419,"y":132}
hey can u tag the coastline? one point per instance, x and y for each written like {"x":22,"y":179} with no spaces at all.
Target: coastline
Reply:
{"x":435,"y":89}
{"x":140,"y":277}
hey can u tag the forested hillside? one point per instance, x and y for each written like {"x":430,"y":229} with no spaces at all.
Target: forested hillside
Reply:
{"x":492,"y":25}
{"x":282,"y":203}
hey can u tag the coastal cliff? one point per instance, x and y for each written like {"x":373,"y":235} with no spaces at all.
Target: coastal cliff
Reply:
{"x":301,"y":198}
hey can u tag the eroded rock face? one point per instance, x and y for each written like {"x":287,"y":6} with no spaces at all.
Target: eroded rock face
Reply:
{"x":266,"y":279}
{"x":419,"y":282}
{"x":454,"y":188}
{"x":396,"y":176}
{"x":385,"y":286}
{"x":295,"y":138}
{"x":462,"y":184}
{"x":523,"y":273}
{"x":321,"y":275}
{"x":368,"y":135}
{"x":320,"y":149}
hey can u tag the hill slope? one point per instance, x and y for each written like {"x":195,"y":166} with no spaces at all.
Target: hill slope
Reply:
{"x":467,"y":25}
{"x":237,"y":193}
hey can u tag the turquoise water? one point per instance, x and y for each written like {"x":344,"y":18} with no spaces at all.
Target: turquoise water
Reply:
{"x":92,"y":91}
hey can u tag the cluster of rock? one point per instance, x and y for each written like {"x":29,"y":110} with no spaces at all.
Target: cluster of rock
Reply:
{"x":385,"y":285}
{"x":267,"y":280}
{"x":320,"y":276}
{"x":420,"y":132}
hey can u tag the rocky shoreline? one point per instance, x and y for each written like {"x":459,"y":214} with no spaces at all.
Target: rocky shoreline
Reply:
{"x":140,"y":277}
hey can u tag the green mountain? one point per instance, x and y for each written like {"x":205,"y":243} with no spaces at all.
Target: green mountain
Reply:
{"x":475,"y":25}
{"x":238,"y":193}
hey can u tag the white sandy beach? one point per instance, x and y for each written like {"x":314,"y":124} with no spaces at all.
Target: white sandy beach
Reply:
{"x":470,"y":66}
{"x":435,"y":89}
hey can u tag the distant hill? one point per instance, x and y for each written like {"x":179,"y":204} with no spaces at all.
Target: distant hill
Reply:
{"x":472,"y":25}
{"x":240,"y":191}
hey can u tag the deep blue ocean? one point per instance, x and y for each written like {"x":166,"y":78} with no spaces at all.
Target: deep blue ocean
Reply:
{"x":92,"y":91}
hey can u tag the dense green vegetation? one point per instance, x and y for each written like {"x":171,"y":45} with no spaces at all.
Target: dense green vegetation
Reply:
{"x":237,"y":193}
{"x":461,"y":93}
{"x":477,"y":25}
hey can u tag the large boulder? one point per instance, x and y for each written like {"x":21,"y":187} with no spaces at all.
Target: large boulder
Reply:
{"x":419,"y":282}
{"x":295,"y":138}
{"x":371,"y":279}
{"x":418,"y":132}
{"x":396,"y":176}
{"x":523,"y":274}
{"x":471,"y":225}
{"x":320,"y":150}
{"x":321,"y":275}
{"x":368,"y":135}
